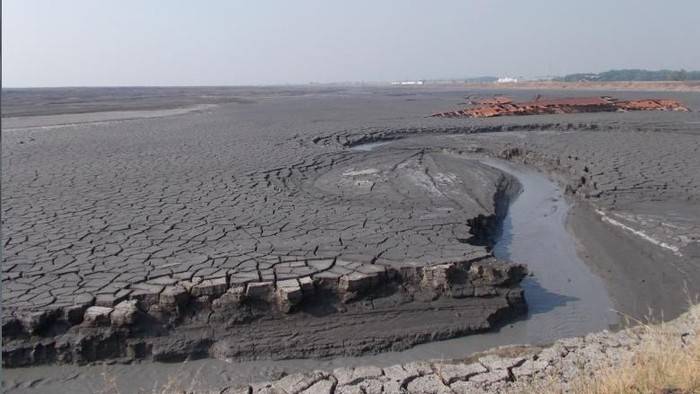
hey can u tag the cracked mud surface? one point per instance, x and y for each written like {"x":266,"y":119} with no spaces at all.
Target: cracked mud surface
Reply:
{"x":174,"y":212}
{"x":269,"y":191}
{"x":154,"y":219}
{"x":557,"y":308}
{"x":96,"y":208}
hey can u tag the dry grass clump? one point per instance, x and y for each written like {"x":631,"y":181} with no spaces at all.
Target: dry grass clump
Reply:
{"x":655,"y":368}
{"x":664,"y":363}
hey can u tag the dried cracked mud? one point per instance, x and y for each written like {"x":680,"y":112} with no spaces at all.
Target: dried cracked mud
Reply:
{"x":248,"y":227}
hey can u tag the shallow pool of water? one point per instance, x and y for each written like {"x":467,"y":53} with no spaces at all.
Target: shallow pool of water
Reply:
{"x":370,"y":146}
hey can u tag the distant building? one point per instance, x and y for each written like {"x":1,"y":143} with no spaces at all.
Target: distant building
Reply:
{"x":420,"y":82}
{"x":506,"y":80}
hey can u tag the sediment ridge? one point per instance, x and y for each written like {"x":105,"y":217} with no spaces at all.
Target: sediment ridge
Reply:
{"x":509,"y":369}
{"x":172,"y":323}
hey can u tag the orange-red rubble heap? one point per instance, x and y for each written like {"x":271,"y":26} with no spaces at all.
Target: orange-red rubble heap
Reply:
{"x":503,"y":106}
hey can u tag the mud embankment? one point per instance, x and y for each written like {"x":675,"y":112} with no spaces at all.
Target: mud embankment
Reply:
{"x":340,"y":308}
{"x":513,"y":369}
{"x":296,"y":307}
{"x":371,"y":136}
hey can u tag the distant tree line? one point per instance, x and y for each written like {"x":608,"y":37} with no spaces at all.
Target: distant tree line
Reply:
{"x":634,"y":75}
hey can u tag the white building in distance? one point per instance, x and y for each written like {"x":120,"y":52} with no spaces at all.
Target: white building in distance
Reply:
{"x":408,"y":82}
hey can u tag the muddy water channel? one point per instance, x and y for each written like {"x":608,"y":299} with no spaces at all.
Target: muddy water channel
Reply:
{"x":564,"y":297}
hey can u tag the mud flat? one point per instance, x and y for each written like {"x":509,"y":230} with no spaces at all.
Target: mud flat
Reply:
{"x":48,"y":122}
{"x":533,"y":233}
{"x":339,"y":253}
{"x":269,"y":193}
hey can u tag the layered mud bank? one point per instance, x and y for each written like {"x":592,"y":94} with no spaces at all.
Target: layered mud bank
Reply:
{"x":308,"y":307}
{"x":382,"y":309}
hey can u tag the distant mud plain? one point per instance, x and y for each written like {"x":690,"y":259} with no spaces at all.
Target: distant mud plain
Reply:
{"x":239,"y":223}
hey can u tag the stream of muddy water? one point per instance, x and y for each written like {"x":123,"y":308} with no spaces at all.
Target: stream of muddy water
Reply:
{"x":564,"y":297}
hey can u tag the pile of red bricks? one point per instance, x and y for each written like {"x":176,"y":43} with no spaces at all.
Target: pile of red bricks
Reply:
{"x":502,"y":106}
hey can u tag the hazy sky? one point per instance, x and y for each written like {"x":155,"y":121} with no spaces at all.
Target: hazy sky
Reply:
{"x":229,"y":42}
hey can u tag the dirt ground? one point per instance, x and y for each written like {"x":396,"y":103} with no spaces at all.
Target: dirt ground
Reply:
{"x":265,"y":183}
